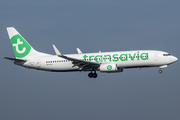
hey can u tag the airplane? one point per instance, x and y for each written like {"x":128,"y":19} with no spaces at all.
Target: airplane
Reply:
{"x":108,"y":62}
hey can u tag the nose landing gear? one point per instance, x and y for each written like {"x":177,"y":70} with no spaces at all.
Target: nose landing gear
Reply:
{"x":92,"y":75}
{"x":160,"y":71}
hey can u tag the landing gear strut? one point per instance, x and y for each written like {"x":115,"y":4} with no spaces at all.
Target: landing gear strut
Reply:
{"x":92,"y":75}
{"x":160,"y":71}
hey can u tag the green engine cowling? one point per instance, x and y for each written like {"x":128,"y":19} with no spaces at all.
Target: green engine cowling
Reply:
{"x":110,"y":68}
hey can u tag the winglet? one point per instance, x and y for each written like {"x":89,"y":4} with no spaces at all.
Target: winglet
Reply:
{"x":79,"y":51}
{"x":57,"y":51}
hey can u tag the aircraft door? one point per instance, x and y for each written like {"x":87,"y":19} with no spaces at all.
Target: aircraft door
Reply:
{"x":156,"y":56}
{"x":38,"y":63}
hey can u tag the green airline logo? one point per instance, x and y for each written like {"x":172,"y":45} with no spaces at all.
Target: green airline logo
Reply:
{"x":20,"y":46}
{"x":109,"y":67}
{"x":117,"y":57}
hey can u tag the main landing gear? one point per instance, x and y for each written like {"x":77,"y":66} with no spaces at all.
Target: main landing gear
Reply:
{"x":160,"y":71}
{"x":92,"y":75}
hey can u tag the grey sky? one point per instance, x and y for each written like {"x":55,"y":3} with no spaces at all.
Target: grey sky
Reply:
{"x":92,"y":26}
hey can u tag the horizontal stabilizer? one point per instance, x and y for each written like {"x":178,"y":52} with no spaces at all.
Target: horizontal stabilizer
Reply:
{"x":14,"y":59}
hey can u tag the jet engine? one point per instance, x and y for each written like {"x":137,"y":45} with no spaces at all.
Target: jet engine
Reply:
{"x":110,"y":68}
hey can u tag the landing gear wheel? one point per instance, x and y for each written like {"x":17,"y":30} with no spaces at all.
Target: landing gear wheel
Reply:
{"x":90,"y":75}
{"x":94,"y":75}
{"x":160,"y":71}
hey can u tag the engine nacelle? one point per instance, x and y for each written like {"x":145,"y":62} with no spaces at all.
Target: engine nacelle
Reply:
{"x":109,"y":68}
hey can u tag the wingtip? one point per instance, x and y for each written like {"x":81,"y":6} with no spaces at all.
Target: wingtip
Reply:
{"x":79,"y":51}
{"x":58,"y":53}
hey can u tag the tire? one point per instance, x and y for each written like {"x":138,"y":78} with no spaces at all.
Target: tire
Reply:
{"x":90,"y":75}
{"x":160,"y":71}
{"x":94,"y":75}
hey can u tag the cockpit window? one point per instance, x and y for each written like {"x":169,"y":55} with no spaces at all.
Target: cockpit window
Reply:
{"x":166,"y":54}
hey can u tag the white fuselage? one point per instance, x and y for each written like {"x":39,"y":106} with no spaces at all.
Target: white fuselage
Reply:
{"x":123,"y":60}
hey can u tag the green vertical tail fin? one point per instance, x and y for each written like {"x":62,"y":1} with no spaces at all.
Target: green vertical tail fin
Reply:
{"x":20,"y":46}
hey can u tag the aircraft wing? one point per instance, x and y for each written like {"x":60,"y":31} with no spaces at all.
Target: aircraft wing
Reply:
{"x":82,"y":64}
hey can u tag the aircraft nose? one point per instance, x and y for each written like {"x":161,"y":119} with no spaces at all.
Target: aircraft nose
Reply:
{"x":174,"y":59}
